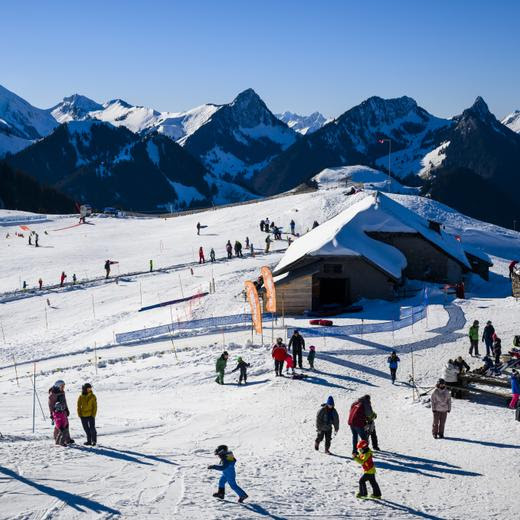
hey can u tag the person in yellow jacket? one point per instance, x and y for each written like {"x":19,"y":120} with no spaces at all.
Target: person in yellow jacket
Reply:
{"x":87,"y":409}
{"x":364,"y":457}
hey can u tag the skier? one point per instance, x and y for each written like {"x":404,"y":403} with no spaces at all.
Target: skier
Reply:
{"x":87,"y":409}
{"x":151,"y":265}
{"x":61,"y":424}
{"x":279,"y":353}
{"x":293,"y":225}
{"x":201,"y":256}
{"x":267,"y":243}
{"x":107,"y":269}
{"x":212,"y":255}
{"x":441,"y":406}
{"x":326,"y":419}
{"x":311,"y":356}
{"x":220,"y":367}
{"x":229,"y":250}
{"x":515,"y":388}
{"x":487,"y":337}
{"x":393,"y":363}
{"x":297,"y":343}
{"x":40,"y":283}
{"x":57,"y":395}
{"x":198,"y":228}
{"x":364,"y":457}
{"x":30,"y":240}
{"x":247,"y":242}
{"x":242,"y":366}
{"x":24,"y":285}
{"x":473,"y":339}
{"x":227,"y":466}
{"x":36,"y":239}
{"x":238,"y":249}
{"x":74,"y":279}
{"x":262,"y":225}
{"x":62,"y":278}
{"x":357,"y":419}
{"x":252,"y":249}
{"x":497,"y":350}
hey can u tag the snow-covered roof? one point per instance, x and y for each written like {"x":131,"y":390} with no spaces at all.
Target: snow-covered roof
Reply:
{"x":346,"y":235}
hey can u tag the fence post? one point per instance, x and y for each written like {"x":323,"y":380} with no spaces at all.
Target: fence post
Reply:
{"x":34,"y":398}
{"x":16,"y":371}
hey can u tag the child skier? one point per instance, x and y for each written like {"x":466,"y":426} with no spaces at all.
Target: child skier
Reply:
{"x":393,"y":362}
{"x":242,"y":366}
{"x":364,"y":457}
{"x":61,"y":424}
{"x":227,"y":466}
{"x":289,"y":364}
{"x":311,"y":356}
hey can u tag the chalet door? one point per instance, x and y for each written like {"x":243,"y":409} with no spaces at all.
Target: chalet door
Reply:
{"x":334,"y":291}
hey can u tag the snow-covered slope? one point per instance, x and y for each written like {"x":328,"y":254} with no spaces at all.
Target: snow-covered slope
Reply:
{"x":21,"y":123}
{"x":160,"y":414}
{"x":512,"y":121}
{"x":303,"y":124}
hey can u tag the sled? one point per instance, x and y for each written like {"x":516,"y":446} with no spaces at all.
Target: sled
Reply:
{"x":323,"y":323}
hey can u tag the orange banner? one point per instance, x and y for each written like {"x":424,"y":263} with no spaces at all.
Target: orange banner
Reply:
{"x":254,"y":301}
{"x":270,"y":291}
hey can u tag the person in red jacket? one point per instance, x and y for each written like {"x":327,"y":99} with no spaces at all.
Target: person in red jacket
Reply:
{"x":201,"y":255}
{"x":357,"y":419}
{"x":62,"y":278}
{"x":279,"y":354}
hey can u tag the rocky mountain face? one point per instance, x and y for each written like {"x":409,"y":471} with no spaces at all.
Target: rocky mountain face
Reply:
{"x":105,"y":165}
{"x":240,"y":138}
{"x":303,"y":124}
{"x":359,"y":136}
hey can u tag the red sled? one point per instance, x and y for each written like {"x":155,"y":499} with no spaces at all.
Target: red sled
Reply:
{"x":323,"y":323}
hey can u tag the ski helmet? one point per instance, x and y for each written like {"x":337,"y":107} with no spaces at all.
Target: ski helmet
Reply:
{"x":362,"y":444}
{"x":221,"y":449}
{"x":59,"y":383}
{"x":60,"y":407}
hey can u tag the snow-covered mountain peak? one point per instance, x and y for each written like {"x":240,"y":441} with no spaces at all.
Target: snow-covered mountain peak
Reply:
{"x":120,"y":102}
{"x":73,"y":108}
{"x":512,"y":121}
{"x":303,"y":124}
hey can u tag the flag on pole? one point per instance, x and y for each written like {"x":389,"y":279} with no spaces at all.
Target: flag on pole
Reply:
{"x":270,"y":291}
{"x":254,"y":302}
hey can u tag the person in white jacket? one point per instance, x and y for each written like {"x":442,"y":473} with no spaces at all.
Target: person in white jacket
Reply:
{"x":441,"y":406}
{"x":451,"y":373}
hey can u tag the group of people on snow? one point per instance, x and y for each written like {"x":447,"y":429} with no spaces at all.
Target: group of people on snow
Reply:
{"x":281,"y":354}
{"x":59,"y":413}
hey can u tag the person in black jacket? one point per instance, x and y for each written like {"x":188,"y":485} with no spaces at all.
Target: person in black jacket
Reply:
{"x":298,"y":344}
{"x":487,"y":337}
{"x":497,"y":350}
{"x":242,"y":366}
{"x":461,"y":365}
{"x":326,"y":419}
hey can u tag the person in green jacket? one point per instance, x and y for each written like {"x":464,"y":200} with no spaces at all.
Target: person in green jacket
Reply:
{"x":220,"y":367}
{"x":473,"y":339}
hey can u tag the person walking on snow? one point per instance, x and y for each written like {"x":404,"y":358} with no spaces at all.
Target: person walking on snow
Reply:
{"x":201,"y":256}
{"x":198,"y":228}
{"x":364,"y":457}
{"x":220,"y":367}
{"x":515,"y":389}
{"x":212,"y":255}
{"x":326,"y":419}
{"x":30,"y":240}
{"x":487,"y":337}
{"x":293,"y":225}
{"x":107,"y":269}
{"x":357,"y":419}
{"x":393,"y":363}
{"x":229,"y":250}
{"x":473,"y":339}
{"x":311,"y":356}
{"x":262,"y":224}
{"x":279,"y":353}
{"x":242,"y":366}
{"x":370,"y":428}
{"x":267,"y":243}
{"x":441,"y":406}
{"x":40,"y":283}
{"x":87,"y":409}
{"x":238,"y":249}
{"x":57,"y":395}
{"x":227,"y":466}
{"x":297,"y":343}
{"x":61,"y":424}
{"x":62,"y":278}
{"x":497,"y":350}
{"x":247,"y":242}
{"x":289,"y":364}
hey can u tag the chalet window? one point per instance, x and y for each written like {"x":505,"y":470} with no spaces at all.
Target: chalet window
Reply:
{"x":332,"y":268}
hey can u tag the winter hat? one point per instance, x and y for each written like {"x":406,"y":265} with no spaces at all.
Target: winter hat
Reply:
{"x":59,"y":383}
{"x":362,"y":444}
{"x":330,"y":401}
{"x":85,"y":387}
{"x":312,"y":347}
{"x":239,"y":359}
{"x":488,"y":323}
{"x":221,"y":449}
{"x":441,"y":382}
{"x":225,"y":353}
{"x":475,"y":322}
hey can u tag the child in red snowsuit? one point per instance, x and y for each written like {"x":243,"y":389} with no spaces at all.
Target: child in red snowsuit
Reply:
{"x":289,"y":364}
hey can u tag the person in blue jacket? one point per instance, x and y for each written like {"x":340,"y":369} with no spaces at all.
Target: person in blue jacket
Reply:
{"x":393,"y":362}
{"x":227,"y":466}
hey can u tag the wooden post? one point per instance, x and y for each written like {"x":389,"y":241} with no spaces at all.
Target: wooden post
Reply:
{"x":16,"y":371}
{"x":34,"y":397}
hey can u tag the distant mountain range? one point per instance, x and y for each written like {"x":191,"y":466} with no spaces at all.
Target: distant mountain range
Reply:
{"x":135,"y":157}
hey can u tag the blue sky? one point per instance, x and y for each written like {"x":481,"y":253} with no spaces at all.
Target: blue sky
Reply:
{"x":298,"y":55}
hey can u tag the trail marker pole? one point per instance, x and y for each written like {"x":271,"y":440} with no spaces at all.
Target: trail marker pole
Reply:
{"x":141,"y":292}
{"x":93,"y":307}
{"x":95,"y":356}
{"x":180,"y":283}
{"x":16,"y":371}
{"x":3,"y":333}
{"x":46,"y":319}
{"x":413,"y":374}
{"x":34,"y":398}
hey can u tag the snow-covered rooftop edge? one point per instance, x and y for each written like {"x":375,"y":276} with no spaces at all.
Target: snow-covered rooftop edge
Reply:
{"x":346,"y":235}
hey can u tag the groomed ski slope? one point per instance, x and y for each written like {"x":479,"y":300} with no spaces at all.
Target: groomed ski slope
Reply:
{"x":161,"y":415}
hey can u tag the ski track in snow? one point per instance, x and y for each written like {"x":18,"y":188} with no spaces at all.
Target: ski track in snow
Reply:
{"x":161,"y":414}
